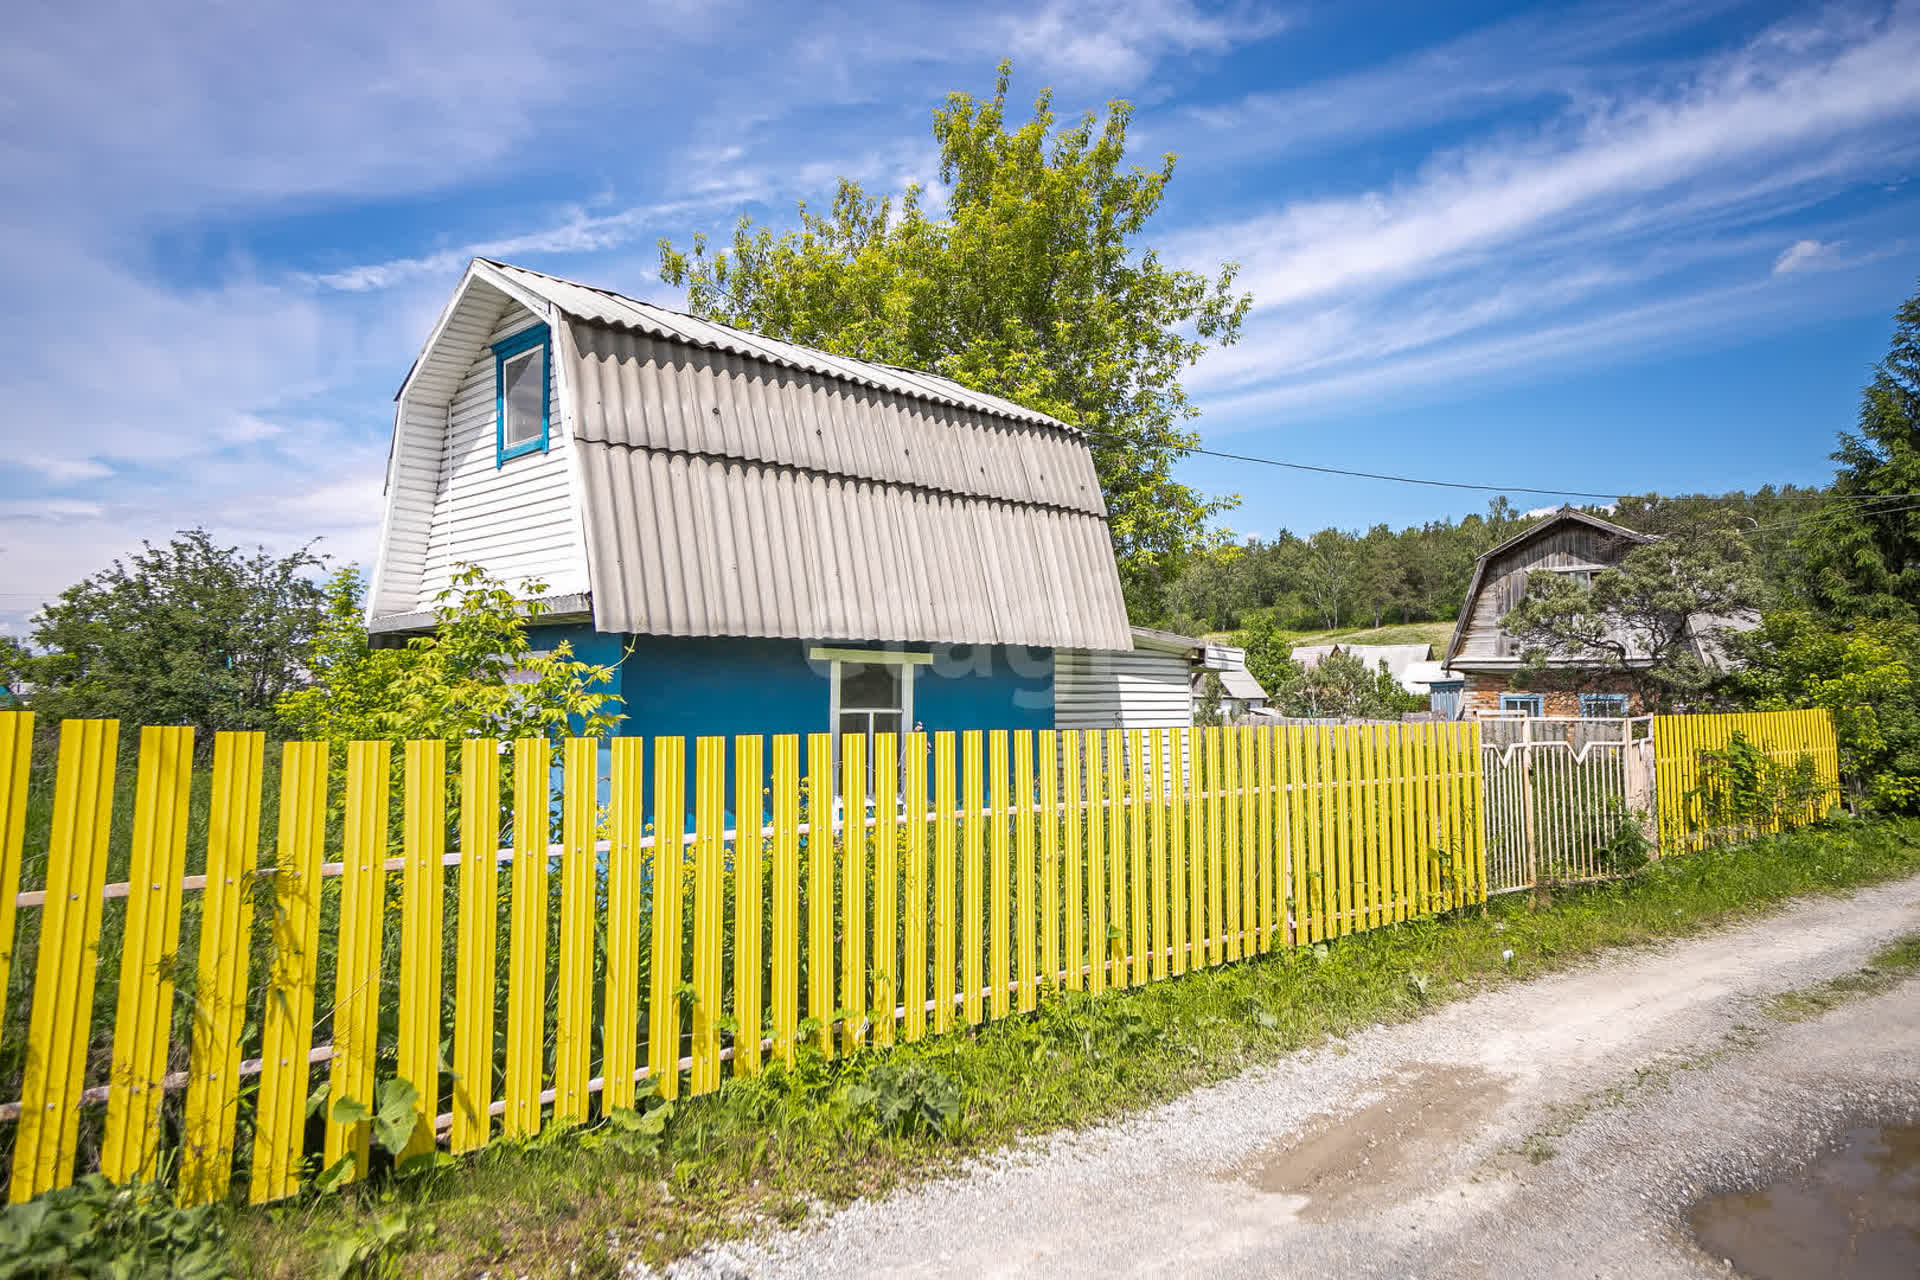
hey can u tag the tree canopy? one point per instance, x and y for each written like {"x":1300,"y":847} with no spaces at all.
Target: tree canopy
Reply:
{"x":186,"y":633}
{"x":1033,"y":283}
{"x":1861,"y":556}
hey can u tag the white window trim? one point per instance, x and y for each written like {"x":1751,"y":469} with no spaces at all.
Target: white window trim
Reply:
{"x":868,"y":657}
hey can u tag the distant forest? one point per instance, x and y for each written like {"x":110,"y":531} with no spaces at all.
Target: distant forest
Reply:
{"x":1351,"y":578}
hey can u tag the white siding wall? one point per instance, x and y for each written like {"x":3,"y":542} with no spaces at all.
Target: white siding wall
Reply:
{"x":517,"y":521}
{"x":1104,"y":690}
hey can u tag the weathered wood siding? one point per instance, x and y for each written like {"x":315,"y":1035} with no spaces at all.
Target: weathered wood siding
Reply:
{"x":1569,"y":546}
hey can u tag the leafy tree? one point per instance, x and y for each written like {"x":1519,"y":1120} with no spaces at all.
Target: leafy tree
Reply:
{"x":1339,"y":686}
{"x":16,"y":662}
{"x":1034,"y":286}
{"x":1328,"y":574}
{"x":1208,"y":713}
{"x":1644,"y":620}
{"x":1867,"y":674}
{"x":1861,"y":556}
{"x":473,"y":677}
{"x":187,"y":633}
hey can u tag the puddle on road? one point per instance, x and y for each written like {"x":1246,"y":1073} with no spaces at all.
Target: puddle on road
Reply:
{"x":1851,"y":1215}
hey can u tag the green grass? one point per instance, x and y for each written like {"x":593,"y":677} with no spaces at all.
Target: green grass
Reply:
{"x":1888,"y":967}
{"x":774,"y":1150}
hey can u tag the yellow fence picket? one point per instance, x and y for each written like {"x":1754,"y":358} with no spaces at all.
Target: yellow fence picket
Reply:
{"x":620,"y":1010}
{"x":1140,"y":942}
{"x":1157,"y":841}
{"x":749,"y":889}
{"x":356,"y":988}
{"x":1193,"y":956}
{"x":287,"y":1037}
{"x":1217,"y":808}
{"x":1049,"y":803}
{"x":886,"y":886}
{"x":999,"y":854}
{"x":709,"y":853}
{"x":64,"y":977}
{"x":16,"y":761}
{"x":1098,"y":812}
{"x":573,"y":1007}
{"x":1117,"y":820}
{"x":1230,"y":843}
{"x":1179,"y":765}
{"x":527,"y":937}
{"x":58,"y":1030}
{"x":474,"y":957}
{"x":422,"y":906}
{"x":144,"y":1017}
{"x":945,"y":881}
{"x":221,"y":971}
{"x":785,"y":983}
{"x":1024,"y":907}
{"x":1073,"y":806}
{"x":820,"y":882}
{"x":666,"y":961}
{"x":854,"y":868}
{"x":914,"y":893}
{"x":972,"y":900}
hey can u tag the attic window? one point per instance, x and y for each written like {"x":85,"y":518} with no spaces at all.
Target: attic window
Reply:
{"x":522,"y":391}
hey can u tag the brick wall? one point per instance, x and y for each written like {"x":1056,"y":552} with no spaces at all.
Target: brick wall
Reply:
{"x":1482,"y":693}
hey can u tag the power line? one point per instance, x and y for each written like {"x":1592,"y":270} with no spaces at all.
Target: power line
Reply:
{"x":1112,"y":438}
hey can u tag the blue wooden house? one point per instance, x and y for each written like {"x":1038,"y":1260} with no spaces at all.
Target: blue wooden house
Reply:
{"x":788,"y":541}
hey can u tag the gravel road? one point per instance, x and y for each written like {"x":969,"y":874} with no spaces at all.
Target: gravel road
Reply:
{"x":1554,"y":1127}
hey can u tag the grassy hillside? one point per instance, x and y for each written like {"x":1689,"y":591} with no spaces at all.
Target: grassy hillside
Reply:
{"x":1434,"y":633}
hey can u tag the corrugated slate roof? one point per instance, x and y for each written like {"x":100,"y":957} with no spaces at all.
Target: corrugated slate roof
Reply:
{"x":740,"y":486}
{"x":602,"y":307}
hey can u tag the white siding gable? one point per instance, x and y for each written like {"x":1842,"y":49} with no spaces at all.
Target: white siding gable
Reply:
{"x":517,"y":521}
{"x":448,"y":499}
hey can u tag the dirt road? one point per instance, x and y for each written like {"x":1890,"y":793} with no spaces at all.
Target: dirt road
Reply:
{"x":1556,"y":1127}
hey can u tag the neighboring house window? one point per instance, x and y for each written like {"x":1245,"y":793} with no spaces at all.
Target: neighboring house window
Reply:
{"x":1526,"y":703}
{"x":1603,"y":704}
{"x":870,"y":692}
{"x":522,"y":390}
{"x":1578,"y":577}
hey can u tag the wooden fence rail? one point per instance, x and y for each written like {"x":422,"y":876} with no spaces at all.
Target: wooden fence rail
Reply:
{"x":350,"y":914}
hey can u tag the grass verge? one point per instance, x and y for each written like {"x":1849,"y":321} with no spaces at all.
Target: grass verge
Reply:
{"x":774,"y":1149}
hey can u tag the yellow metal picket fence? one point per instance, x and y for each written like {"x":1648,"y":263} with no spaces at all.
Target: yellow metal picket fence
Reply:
{"x":1000,"y":865}
{"x":1789,"y":739}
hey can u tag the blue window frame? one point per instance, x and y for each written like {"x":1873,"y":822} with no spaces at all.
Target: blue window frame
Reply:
{"x":522,"y":394}
{"x":1530,"y":703}
{"x":1603,"y":704}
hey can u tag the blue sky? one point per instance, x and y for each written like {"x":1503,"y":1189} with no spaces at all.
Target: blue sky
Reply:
{"x":1605,"y":246}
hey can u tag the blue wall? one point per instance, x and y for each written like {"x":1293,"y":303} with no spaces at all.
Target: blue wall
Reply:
{"x":688,"y":687}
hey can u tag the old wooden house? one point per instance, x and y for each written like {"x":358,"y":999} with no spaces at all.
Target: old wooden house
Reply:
{"x":1488,"y":659}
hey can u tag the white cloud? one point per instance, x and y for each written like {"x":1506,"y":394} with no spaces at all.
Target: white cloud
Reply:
{"x":1804,"y":255}
{"x":1564,"y":56}
{"x":65,"y":471}
{"x":1745,"y":112}
{"x":1600,"y":224}
{"x":1119,"y":43}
